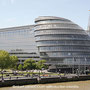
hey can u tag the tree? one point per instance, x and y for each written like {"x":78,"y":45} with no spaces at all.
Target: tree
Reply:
{"x":20,"y":67}
{"x":41,"y":64}
{"x":4,"y":60}
{"x":14,"y":61}
{"x":29,"y":64}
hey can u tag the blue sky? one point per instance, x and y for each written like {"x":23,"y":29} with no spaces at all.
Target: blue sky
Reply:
{"x":23,"y":12}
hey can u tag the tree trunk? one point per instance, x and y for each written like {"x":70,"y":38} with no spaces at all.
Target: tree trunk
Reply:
{"x":2,"y":75}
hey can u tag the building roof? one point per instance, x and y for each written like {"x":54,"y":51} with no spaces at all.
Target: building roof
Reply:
{"x":50,"y":18}
{"x":16,"y":28}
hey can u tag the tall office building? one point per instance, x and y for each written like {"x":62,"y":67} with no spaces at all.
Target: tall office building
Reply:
{"x":62,"y":42}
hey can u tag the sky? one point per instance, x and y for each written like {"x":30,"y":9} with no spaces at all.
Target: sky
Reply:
{"x":23,"y":12}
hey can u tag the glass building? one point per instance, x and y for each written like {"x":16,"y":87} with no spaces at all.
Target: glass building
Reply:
{"x":18,"y":38}
{"x":22,"y":55}
{"x":62,"y":43}
{"x":19,"y":41}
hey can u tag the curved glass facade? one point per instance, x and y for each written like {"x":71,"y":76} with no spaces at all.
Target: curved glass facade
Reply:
{"x":60,"y":41}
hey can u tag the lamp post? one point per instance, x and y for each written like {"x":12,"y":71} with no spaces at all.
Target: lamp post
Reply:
{"x":79,"y":67}
{"x":85,"y":65}
{"x":73,"y":65}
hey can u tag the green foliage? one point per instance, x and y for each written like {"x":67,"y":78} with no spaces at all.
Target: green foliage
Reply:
{"x":20,"y":67}
{"x":29,"y":64}
{"x":14,"y":61}
{"x":4,"y":59}
{"x":41,"y":64}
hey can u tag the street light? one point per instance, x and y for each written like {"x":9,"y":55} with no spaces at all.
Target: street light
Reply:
{"x":73,"y":66}
{"x":79,"y":67}
{"x":85,"y":65}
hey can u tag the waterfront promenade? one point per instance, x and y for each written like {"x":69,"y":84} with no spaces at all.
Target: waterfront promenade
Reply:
{"x":42,"y":79}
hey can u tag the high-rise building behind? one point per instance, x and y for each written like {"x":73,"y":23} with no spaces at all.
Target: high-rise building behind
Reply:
{"x":88,"y":27}
{"x":89,"y":24}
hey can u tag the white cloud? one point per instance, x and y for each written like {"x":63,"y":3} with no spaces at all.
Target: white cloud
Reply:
{"x":11,"y":19}
{"x":3,"y":3}
{"x":12,"y":1}
{"x":6,"y":2}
